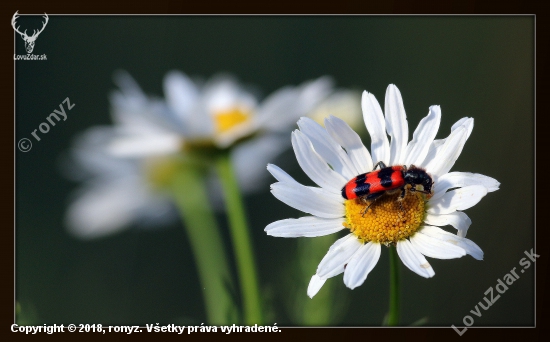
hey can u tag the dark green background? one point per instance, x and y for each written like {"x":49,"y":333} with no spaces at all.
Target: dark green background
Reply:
{"x":480,"y":67}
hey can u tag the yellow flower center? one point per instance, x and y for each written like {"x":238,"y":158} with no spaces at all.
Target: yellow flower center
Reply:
{"x":388,"y":219}
{"x":160,"y":171}
{"x":226,"y":120}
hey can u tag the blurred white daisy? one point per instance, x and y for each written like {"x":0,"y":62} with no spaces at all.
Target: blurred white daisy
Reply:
{"x":333,"y":155}
{"x":344,"y":104}
{"x":217,"y":114}
{"x":115,"y":192}
{"x":125,"y":166}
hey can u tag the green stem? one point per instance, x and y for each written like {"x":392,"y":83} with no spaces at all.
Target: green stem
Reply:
{"x":393,"y":316}
{"x":242,"y":245}
{"x":192,"y":201}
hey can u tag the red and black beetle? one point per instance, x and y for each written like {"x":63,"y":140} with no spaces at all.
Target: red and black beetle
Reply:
{"x":371,"y":185}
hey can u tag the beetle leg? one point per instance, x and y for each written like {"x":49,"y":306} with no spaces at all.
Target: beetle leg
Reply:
{"x":414,"y":189}
{"x":367,"y":208}
{"x":381,"y":164}
{"x":372,"y":197}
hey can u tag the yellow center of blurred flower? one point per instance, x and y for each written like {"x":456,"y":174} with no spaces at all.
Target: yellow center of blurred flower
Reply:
{"x":388,"y":220}
{"x":160,"y":171}
{"x":226,"y":120}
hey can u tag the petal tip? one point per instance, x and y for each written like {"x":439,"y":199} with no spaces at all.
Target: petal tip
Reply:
{"x":315,"y":285}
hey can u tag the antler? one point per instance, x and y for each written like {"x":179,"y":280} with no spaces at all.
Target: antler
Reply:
{"x":35,"y":33}
{"x":13,"y":19}
{"x":43,"y":26}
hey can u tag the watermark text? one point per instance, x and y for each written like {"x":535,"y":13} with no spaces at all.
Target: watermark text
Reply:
{"x":65,"y":106}
{"x":491,"y":296}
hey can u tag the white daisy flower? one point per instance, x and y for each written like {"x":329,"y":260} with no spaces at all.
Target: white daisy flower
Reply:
{"x":116,"y":192}
{"x":125,"y":166}
{"x":218,"y":114}
{"x":344,"y":104}
{"x":334,"y":155}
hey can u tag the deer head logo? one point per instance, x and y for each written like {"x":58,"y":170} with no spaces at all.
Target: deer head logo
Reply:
{"x":29,"y":41}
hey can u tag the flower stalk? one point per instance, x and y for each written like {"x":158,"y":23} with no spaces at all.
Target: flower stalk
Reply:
{"x":242,"y":246}
{"x":393,"y":316}
{"x":188,"y":187}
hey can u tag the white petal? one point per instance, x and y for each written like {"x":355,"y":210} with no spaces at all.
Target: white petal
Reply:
{"x":471,"y":248}
{"x":223,"y":92}
{"x":459,"y":199}
{"x":181,"y":93}
{"x":466,"y":122}
{"x":327,"y":148}
{"x":435,"y":248}
{"x":461,"y":179}
{"x":280,"y":174}
{"x":315,"y":285}
{"x":423,"y":137}
{"x":277,"y":112}
{"x":250,"y":157}
{"x":128,"y":86}
{"x":374,"y":121}
{"x":413,"y":259}
{"x":360,"y":265}
{"x":325,"y":193}
{"x":314,"y":165}
{"x":468,"y":245}
{"x":342,"y":133}
{"x":308,"y":226}
{"x":88,"y":156}
{"x":140,"y":146}
{"x":305,"y":199}
{"x":281,"y":110}
{"x":134,"y":111}
{"x":105,"y":208}
{"x":435,"y":147}
{"x":437,"y":144}
{"x":396,"y":124}
{"x":284,"y":177}
{"x":443,"y":153}
{"x":338,"y":256}
{"x":448,"y":154}
{"x":130,"y":106}
{"x":458,"y":219}
{"x":344,"y":104}
{"x":314,"y":91}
